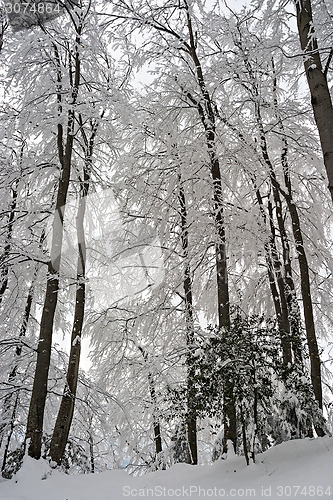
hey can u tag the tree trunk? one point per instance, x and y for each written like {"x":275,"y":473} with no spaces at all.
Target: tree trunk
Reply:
{"x":318,"y":85}
{"x":156,"y":424}
{"x":278,"y":293}
{"x":66,"y":410}
{"x":39,"y":391}
{"x":293,"y":307}
{"x":307,"y":305}
{"x":315,"y":363}
{"x":3,"y":26}
{"x":255,"y":417}
{"x":304,"y":271}
{"x":244,"y":436}
{"x":92,"y":456}
{"x":3,"y":259}
{"x":206,"y":113}
{"x":11,"y":430}
{"x":187,"y":284}
{"x":9,"y":410}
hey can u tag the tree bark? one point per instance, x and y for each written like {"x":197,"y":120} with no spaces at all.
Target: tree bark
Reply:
{"x":315,"y":362}
{"x":92,"y":456}
{"x":246,"y":454}
{"x":305,"y":278}
{"x":11,"y":430}
{"x":317,"y":80}
{"x":274,"y":267}
{"x":156,"y":423}
{"x":66,"y":410}
{"x":293,"y":307}
{"x":3,"y":259}
{"x":205,"y":108}
{"x":35,"y":421}
{"x":278,"y":291}
{"x":9,"y":409}
{"x":276,"y":190}
{"x":187,"y":284}
{"x":207,"y":116}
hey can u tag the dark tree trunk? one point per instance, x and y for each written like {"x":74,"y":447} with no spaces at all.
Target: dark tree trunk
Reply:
{"x":317,"y":80}
{"x":9,"y":409}
{"x":9,"y":436}
{"x":156,"y":424}
{"x":39,"y":391}
{"x":38,"y":397}
{"x":187,"y":284}
{"x":206,"y":113}
{"x":304,"y":272}
{"x":92,"y":456}
{"x":279,"y":268}
{"x":274,"y":269}
{"x":255,"y":416}
{"x":246,"y":454}
{"x":293,"y":307}
{"x":229,"y":417}
{"x":3,"y":259}
{"x":66,"y":410}
{"x":3,"y":26}
{"x":315,"y":362}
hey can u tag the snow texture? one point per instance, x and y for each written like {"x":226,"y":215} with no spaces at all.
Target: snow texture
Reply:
{"x":295,"y":469}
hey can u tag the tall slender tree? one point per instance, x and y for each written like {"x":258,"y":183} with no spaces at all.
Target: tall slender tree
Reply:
{"x":316,"y":76}
{"x":65,"y":139}
{"x":66,"y":410}
{"x":191,"y":420}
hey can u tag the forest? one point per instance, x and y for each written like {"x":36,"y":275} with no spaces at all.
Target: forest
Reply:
{"x":166,"y":190}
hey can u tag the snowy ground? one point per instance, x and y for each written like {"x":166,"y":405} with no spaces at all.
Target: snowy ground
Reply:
{"x":296,"y":469}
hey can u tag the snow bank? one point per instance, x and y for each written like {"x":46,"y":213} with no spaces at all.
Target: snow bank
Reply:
{"x":296,"y":469}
